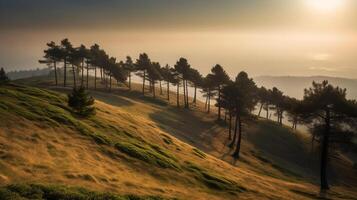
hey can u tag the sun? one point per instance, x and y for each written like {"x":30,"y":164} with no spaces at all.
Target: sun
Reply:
{"x":325,"y":5}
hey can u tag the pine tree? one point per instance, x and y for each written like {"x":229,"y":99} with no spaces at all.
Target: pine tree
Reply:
{"x":327,"y":110}
{"x":81,"y":103}
{"x":220,"y":78}
{"x":3,"y":76}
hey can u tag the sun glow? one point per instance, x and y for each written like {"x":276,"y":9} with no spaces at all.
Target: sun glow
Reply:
{"x":325,"y":5}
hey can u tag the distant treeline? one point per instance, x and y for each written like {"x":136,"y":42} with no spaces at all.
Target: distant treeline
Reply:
{"x":19,"y":74}
{"x":294,"y":86}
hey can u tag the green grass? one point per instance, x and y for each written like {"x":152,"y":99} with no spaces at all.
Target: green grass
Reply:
{"x":150,"y":154}
{"x":45,"y":107}
{"x":213,"y":180}
{"x":51,"y":192}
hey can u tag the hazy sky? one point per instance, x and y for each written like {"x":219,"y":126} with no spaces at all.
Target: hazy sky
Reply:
{"x":273,"y":37}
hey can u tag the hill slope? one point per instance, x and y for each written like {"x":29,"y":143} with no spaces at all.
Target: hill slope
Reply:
{"x":141,"y":146}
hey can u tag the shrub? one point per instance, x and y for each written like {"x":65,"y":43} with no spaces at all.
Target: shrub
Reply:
{"x":3,"y":76}
{"x":81,"y":103}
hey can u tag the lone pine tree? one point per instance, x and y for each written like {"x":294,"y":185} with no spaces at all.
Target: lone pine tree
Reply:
{"x":81,"y":103}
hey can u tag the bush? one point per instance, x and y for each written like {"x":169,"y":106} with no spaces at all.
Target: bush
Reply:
{"x":81,"y":103}
{"x":3,"y":76}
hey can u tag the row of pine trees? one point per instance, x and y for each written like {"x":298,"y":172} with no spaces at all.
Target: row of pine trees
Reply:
{"x":324,"y":108}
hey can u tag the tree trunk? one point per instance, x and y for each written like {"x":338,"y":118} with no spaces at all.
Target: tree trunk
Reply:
{"x":129,"y":80}
{"x":187,"y":103}
{"x":95,"y":77}
{"x":267,"y":111}
{"x":74,"y":77}
{"x":206,"y":102}
{"x":153,"y":89}
{"x":168,"y":91}
{"x":87,"y":75}
{"x":82,"y":73}
{"x":184,"y":93}
{"x":235,"y":133}
{"x":55,"y":67}
{"x":65,"y":73}
{"x":194,"y":96}
{"x":219,"y":102}
{"x":110,"y":83}
{"x":278,"y":116}
{"x":260,"y":109}
{"x":178,"y":94}
{"x":144,"y":82}
{"x":209,"y":100}
{"x":236,"y":153}
{"x":105,"y":79}
{"x":101,"y":73}
{"x":230,"y":125}
{"x":324,"y":153}
{"x":160,"y":88}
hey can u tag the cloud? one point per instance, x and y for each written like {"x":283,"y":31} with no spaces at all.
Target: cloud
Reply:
{"x":321,"y":57}
{"x":328,"y":69}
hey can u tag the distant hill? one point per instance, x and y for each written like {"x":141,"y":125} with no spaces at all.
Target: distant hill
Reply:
{"x":294,"y":85}
{"x":19,"y":74}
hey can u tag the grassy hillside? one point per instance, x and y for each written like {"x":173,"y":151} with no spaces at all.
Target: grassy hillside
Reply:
{"x":136,"y":145}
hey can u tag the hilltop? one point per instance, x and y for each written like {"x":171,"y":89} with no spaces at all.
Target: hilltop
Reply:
{"x":140,"y":147}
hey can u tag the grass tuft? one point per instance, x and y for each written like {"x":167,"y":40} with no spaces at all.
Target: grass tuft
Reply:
{"x":199,"y":153}
{"x":213,"y":180}
{"x":167,"y":139}
{"x":150,"y":154}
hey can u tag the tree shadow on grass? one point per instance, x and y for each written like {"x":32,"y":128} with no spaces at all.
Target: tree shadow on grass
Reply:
{"x":283,"y":150}
{"x":114,"y":100}
{"x":187,"y":126}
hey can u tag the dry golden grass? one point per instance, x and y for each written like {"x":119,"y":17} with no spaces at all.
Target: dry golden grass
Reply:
{"x":33,"y":152}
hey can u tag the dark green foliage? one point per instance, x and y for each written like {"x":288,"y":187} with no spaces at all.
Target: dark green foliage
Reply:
{"x":182,"y":68}
{"x":118,"y":72}
{"x":332,"y":118}
{"x":3,"y":76}
{"x":142,"y":64}
{"x":81,"y":103}
{"x":153,"y":155}
{"x":50,"y":192}
{"x":239,"y":98}
{"x":220,"y":78}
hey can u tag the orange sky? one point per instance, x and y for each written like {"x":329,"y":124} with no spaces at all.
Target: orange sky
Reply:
{"x":265,"y":37}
